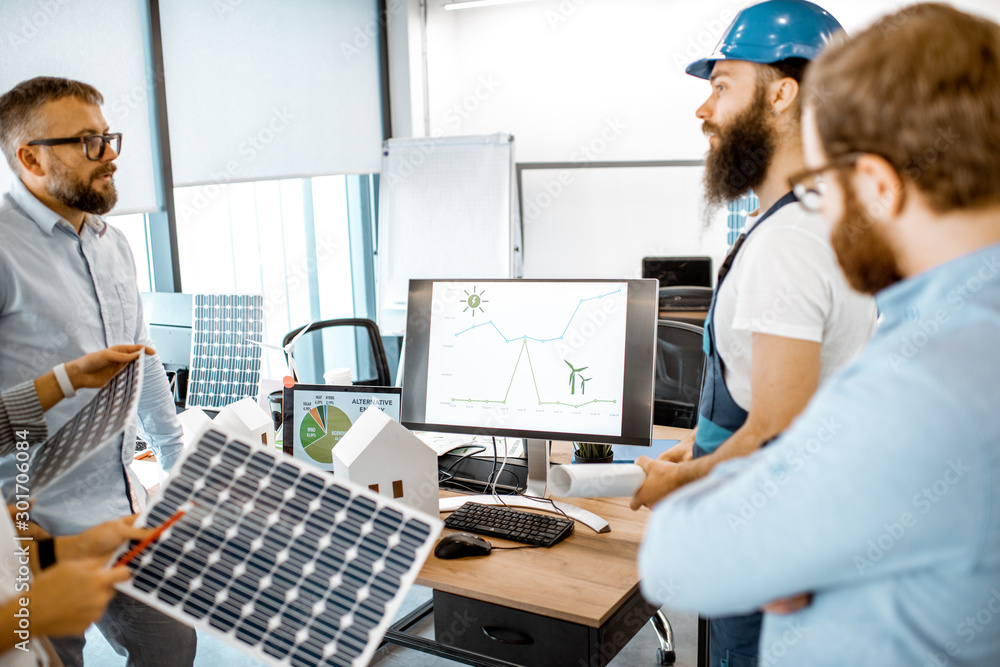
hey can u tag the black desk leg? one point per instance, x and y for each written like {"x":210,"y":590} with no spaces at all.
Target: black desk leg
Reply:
{"x":703,"y":636}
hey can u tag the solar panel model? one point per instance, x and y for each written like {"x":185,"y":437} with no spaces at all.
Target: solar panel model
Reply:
{"x":277,"y":558}
{"x":113,"y":408}
{"x":225,"y":349}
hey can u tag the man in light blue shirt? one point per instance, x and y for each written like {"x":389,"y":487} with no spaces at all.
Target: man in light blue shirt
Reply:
{"x":875,"y":518}
{"x":68,"y":287}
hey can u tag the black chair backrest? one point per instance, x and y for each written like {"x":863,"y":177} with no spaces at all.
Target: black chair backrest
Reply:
{"x":680,"y":368}
{"x":354,"y":343}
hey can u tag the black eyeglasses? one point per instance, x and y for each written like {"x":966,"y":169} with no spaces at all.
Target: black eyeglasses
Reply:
{"x":93,"y":144}
{"x":809,"y":186}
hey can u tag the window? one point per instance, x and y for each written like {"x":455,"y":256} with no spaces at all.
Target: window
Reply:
{"x":134,"y":228}
{"x":288,"y":240}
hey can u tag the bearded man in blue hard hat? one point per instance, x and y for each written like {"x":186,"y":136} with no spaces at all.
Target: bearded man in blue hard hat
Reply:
{"x":783,"y":318}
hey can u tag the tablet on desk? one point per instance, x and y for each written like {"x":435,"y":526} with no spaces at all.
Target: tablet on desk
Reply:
{"x":314,"y":417}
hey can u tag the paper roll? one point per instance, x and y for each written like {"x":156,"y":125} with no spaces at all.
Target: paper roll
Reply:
{"x":596,"y":480}
{"x":338,"y":376}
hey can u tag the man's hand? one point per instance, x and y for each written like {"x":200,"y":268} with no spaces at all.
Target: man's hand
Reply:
{"x":17,"y":517}
{"x":69,"y":596}
{"x":101,"y":541}
{"x":662,"y":478}
{"x":95,"y":369}
{"x":788,"y":605}
{"x":682,"y":451}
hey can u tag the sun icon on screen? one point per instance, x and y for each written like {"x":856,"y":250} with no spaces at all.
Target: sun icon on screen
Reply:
{"x":474,"y":301}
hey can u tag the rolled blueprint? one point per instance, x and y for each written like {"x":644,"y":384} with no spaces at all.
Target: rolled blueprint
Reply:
{"x":596,"y":480}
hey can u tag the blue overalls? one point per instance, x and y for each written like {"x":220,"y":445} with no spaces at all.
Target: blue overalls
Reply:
{"x":734,"y":640}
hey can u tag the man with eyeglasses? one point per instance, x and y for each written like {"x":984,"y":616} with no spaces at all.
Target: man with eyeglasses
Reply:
{"x":783,"y":318}
{"x":883,"y":498}
{"x":68,"y":287}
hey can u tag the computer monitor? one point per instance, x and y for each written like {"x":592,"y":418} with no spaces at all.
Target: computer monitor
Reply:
{"x":536,"y":359}
{"x":684,"y":271}
{"x":169,"y":317}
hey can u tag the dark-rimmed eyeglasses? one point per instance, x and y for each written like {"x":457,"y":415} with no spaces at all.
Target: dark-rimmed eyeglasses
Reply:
{"x":93,"y":144}
{"x":809,"y":185}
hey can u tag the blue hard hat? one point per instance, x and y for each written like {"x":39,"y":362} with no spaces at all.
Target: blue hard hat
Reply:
{"x":771,"y":31}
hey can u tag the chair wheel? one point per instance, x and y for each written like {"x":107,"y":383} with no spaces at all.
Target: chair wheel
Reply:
{"x":665,"y":657}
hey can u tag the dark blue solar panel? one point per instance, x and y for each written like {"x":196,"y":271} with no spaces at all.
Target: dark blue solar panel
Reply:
{"x":293,"y":567}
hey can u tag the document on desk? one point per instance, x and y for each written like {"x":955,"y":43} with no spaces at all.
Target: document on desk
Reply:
{"x":596,"y":480}
{"x":513,"y":446}
{"x":445,"y":443}
{"x":442,"y":443}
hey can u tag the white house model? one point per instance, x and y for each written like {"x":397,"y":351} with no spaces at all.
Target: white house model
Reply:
{"x":244,"y":419}
{"x":380,"y":453}
{"x":193,"y":421}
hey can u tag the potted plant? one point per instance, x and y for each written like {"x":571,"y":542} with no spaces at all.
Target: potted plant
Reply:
{"x":592,"y":452}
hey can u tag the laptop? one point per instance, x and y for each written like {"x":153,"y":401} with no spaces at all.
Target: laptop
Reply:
{"x":316,"y":416}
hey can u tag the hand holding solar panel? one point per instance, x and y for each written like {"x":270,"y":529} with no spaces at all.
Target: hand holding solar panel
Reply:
{"x":106,"y":415}
{"x":277,"y":558}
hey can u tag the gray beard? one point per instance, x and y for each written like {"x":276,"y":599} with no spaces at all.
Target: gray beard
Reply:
{"x":81,"y":196}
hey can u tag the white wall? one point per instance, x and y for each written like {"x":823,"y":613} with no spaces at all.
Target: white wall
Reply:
{"x":586,"y":80}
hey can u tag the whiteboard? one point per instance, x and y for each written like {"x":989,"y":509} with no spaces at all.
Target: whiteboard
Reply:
{"x":600,"y":222}
{"x":447,"y":209}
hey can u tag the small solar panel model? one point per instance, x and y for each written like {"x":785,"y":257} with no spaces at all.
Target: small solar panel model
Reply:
{"x":225,"y":349}
{"x":280,"y":560}
{"x":112,"y":410}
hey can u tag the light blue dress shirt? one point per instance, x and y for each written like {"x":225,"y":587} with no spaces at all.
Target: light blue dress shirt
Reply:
{"x":882,"y":498}
{"x":62,"y":296}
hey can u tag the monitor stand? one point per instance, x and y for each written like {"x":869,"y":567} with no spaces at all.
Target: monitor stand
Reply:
{"x":538,"y":472}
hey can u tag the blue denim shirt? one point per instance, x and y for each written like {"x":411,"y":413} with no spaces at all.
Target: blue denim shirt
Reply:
{"x":63,"y":295}
{"x":882,"y":498}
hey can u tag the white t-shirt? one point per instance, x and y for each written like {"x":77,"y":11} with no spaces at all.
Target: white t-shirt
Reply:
{"x":786,"y":282}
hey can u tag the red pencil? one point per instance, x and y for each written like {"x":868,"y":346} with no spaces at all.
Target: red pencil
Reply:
{"x":149,"y":539}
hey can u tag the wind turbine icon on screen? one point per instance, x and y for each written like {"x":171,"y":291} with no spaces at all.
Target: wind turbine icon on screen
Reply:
{"x":574,"y":372}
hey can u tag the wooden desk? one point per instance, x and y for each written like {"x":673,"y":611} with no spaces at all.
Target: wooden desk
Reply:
{"x":577,"y":601}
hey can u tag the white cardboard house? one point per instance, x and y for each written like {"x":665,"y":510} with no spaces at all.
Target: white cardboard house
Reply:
{"x":243,"y":419}
{"x":380,"y":453}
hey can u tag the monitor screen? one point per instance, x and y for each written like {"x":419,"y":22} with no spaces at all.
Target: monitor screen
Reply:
{"x":315,"y":417}
{"x":684,"y":271}
{"x":170,"y":318}
{"x":543,"y":359}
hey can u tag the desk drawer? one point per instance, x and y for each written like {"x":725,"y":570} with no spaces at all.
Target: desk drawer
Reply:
{"x":508,"y":634}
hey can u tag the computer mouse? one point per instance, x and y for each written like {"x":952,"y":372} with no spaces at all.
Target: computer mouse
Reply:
{"x":462,"y":545}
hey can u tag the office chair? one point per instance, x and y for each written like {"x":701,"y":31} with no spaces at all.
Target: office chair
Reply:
{"x":680,"y":367}
{"x":354,"y":343}
{"x":685,"y":298}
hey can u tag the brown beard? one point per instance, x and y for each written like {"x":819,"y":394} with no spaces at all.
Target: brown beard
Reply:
{"x":862,"y":251}
{"x":740,"y":160}
{"x":79,"y":193}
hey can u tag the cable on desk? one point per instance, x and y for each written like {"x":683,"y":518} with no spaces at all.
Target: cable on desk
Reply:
{"x":495,"y":476}
{"x":550,"y":502}
{"x":473,"y":449}
{"x":523,"y":546}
